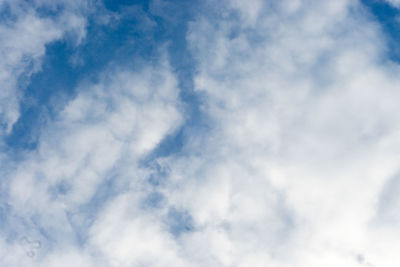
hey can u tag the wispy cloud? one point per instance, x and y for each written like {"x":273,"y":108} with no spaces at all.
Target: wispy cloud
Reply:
{"x":298,"y":164}
{"x":24,"y":35}
{"x":304,"y":102}
{"x":98,"y":140}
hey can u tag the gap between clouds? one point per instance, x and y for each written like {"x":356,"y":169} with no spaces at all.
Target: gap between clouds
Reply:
{"x":24,"y":35}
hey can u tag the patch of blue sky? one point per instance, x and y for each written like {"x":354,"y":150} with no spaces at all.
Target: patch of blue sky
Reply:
{"x":6,"y":15}
{"x":153,"y":200}
{"x":133,"y":35}
{"x":4,"y":213}
{"x":389,"y":19}
{"x":179,"y":221}
{"x":64,"y":66}
{"x":57,"y":78}
{"x":117,"y":6}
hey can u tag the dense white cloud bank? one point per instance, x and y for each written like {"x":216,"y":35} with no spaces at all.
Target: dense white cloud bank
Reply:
{"x":306,"y":139}
{"x":299,"y":167}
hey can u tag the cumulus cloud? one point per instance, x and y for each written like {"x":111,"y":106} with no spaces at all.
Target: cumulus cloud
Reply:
{"x":298,"y":165}
{"x":304,"y":106}
{"x":96,"y":144}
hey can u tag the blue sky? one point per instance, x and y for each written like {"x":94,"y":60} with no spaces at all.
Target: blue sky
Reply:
{"x":199,"y":133}
{"x":135,"y":37}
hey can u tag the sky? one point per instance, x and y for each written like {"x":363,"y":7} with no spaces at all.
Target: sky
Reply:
{"x":194,"y":133}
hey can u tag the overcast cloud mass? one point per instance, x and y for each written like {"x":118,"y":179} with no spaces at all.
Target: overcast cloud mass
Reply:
{"x":235,"y":133}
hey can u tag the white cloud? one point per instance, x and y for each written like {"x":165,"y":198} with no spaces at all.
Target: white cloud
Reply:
{"x":24,"y":36}
{"x":100,"y":137}
{"x":299,"y":168}
{"x":130,"y":237}
{"x":305,"y":113}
